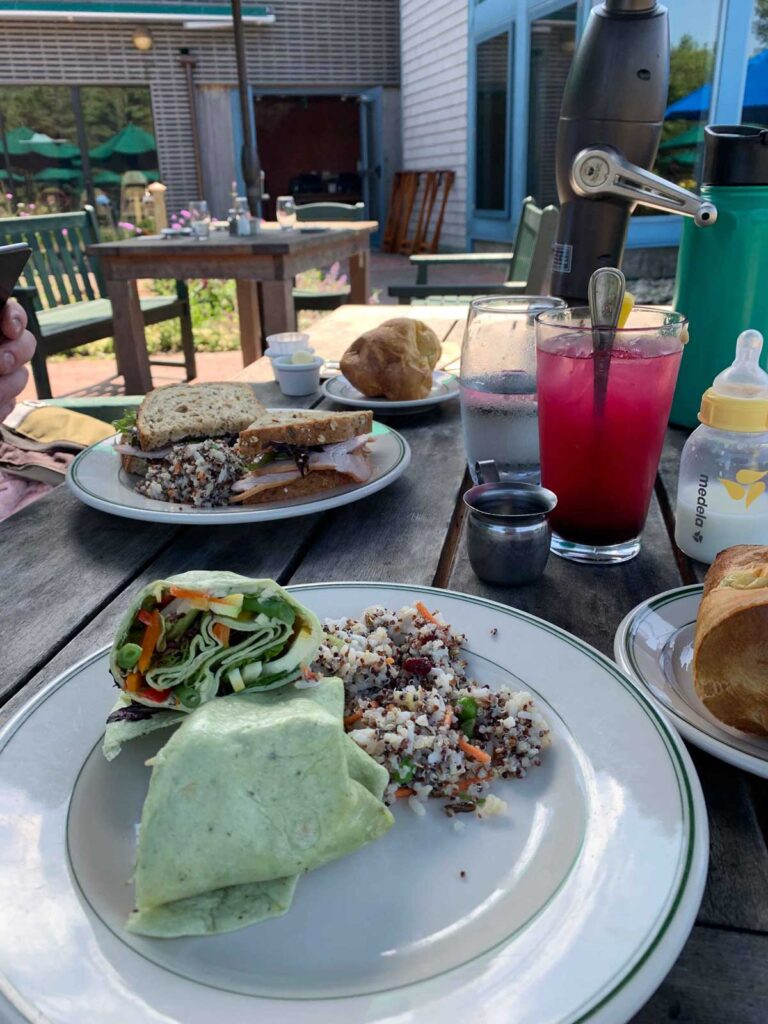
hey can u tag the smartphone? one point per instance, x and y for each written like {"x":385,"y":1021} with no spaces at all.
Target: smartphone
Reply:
{"x":13,"y":259}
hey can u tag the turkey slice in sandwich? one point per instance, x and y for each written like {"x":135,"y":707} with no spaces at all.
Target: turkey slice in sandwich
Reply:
{"x":290,"y":454}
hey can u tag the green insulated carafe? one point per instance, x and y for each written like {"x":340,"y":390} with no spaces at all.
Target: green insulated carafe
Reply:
{"x":722,"y":273}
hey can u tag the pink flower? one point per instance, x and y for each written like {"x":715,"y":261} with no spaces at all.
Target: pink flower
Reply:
{"x":65,"y":232}
{"x":125,"y":225}
{"x":32,"y":206}
{"x":9,"y":195}
{"x":185,"y":214}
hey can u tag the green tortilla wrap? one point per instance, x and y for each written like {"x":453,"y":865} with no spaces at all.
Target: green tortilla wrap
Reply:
{"x":250,"y":792}
{"x":200,"y":635}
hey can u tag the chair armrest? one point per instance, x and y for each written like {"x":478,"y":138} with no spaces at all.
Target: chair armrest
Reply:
{"x":452,"y":258}
{"x":456,"y":259}
{"x":20,"y":290}
{"x":425,"y":291}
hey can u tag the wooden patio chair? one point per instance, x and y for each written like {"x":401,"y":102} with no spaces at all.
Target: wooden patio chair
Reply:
{"x":64,"y":295}
{"x":303,"y":298}
{"x":528,"y":264}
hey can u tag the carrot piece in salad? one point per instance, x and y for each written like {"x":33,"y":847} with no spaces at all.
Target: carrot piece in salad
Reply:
{"x":403,"y":791}
{"x":190,"y":595}
{"x":221,"y":632}
{"x":422,"y":609}
{"x":471,"y":780}
{"x":351,"y":719}
{"x":149,"y":643}
{"x":133,"y":682}
{"x":474,"y":752}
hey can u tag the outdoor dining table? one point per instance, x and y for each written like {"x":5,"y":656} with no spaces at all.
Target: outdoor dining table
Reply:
{"x":66,"y":571}
{"x":263,"y":267}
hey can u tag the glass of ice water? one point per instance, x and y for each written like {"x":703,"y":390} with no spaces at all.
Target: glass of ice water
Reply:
{"x":499,"y":414}
{"x":285,"y":210}
{"x":199,"y":219}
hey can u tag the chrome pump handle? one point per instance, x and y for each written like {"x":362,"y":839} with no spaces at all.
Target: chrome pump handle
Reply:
{"x":603,"y":171}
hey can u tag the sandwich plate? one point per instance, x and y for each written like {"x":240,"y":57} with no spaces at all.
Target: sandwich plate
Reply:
{"x":654,"y":646}
{"x":571,"y":906}
{"x":444,"y":387}
{"x":97,"y":478}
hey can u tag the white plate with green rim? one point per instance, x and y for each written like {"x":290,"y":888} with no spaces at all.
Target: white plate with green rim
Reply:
{"x":654,"y":645}
{"x":97,"y":478}
{"x":444,"y":388}
{"x":570,"y":907}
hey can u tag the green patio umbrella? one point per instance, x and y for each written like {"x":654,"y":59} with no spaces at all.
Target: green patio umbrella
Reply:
{"x":107,"y":179}
{"x":131,"y":149}
{"x":58,"y":175}
{"x":40,"y":151}
{"x":685,"y":140}
{"x":15,"y":137}
{"x":14,"y":176}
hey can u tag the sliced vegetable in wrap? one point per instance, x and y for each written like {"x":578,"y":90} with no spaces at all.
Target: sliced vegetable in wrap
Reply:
{"x":200,"y":635}
{"x":250,"y":792}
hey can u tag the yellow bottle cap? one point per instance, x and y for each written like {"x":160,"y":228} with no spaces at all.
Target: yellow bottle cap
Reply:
{"x":747,"y":415}
{"x":738,"y":398}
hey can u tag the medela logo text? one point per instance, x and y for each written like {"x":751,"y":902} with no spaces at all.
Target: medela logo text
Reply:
{"x":701,"y":506}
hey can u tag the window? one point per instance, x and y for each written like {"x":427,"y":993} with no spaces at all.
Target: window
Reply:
{"x":755,"y":104}
{"x":693,"y":30}
{"x":553,"y":41}
{"x":491,"y":122}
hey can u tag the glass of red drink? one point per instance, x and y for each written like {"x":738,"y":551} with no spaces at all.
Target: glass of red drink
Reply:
{"x":601,"y":436}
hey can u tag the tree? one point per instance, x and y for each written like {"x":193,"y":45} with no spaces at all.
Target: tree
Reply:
{"x":690,"y":66}
{"x":761,"y":21}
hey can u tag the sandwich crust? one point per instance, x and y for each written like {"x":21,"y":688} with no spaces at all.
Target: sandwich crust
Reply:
{"x":304,"y":428}
{"x":730,"y":659}
{"x":312,"y":483}
{"x":179,"y":412}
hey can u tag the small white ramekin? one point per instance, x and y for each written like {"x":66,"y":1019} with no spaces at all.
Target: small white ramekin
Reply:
{"x":272,"y":356}
{"x":297,"y":378}
{"x":288,"y":342}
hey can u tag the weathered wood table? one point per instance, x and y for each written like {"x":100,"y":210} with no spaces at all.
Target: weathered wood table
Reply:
{"x":66,"y":570}
{"x":262,"y":265}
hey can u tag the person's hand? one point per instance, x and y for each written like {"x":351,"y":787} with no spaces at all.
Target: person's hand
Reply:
{"x":17,"y":346}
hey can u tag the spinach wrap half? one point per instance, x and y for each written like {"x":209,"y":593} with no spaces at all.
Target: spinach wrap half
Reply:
{"x":200,"y":635}
{"x":251,"y":792}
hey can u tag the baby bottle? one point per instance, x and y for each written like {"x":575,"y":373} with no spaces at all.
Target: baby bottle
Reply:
{"x":721,"y":496}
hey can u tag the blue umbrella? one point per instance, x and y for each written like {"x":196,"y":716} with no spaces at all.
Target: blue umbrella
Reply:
{"x":697,"y":103}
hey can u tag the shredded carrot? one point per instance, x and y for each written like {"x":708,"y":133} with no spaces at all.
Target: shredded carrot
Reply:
{"x":149,"y":643}
{"x":471,"y":780}
{"x":404,"y":791}
{"x":133,"y":682}
{"x":390,"y":661}
{"x":221,"y":632}
{"x":190,"y":595}
{"x":474,"y":752}
{"x":351,"y":719}
{"x":426,"y":613}
{"x":448,"y":716}
{"x":308,"y":673}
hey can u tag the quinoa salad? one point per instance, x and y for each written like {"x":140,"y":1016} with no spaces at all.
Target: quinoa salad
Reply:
{"x":412,"y":707}
{"x":199,"y":473}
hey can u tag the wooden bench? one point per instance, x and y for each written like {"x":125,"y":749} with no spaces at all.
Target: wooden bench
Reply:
{"x":64,"y":295}
{"x":528,"y":265}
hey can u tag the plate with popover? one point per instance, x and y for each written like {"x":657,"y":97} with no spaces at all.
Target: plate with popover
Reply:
{"x":702,"y":653}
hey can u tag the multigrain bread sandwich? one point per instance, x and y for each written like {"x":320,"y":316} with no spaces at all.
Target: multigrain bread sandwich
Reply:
{"x":730,"y":655}
{"x":293,"y":454}
{"x":183,"y":439}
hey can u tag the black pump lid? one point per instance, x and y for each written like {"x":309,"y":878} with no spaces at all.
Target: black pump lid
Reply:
{"x":735,"y":154}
